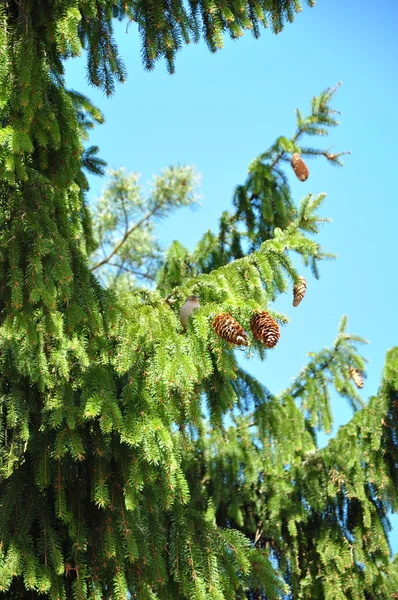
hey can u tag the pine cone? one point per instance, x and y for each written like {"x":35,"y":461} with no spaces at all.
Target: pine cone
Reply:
{"x":299,"y":167}
{"x":228,"y":328}
{"x":265,"y":328}
{"x":356,"y":377}
{"x":299,"y":290}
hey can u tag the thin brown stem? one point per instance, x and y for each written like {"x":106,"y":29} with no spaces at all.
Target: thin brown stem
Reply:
{"x":280,"y":155}
{"x":126,"y":236}
{"x":137,"y":273}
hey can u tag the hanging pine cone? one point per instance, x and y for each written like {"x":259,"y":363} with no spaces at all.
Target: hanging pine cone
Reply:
{"x":265,"y":328}
{"x":299,"y":167}
{"x":228,"y":328}
{"x":356,"y":377}
{"x":299,"y":290}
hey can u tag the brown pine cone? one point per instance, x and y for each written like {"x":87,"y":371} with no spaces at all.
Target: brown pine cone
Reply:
{"x":228,"y":328}
{"x":299,"y":290}
{"x":299,"y":167}
{"x":356,"y":377}
{"x":265,"y":328}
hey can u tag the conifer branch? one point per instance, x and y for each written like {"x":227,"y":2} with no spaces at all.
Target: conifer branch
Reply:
{"x":320,"y":116}
{"x":265,"y":192}
{"x":126,"y":235}
{"x":292,"y":238}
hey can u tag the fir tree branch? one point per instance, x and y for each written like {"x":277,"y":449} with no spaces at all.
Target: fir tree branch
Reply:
{"x":305,"y":125}
{"x":294,"y":139}
{"x":291,"y":238}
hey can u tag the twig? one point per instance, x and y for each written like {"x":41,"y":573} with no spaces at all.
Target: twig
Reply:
{"x":126,"y":235}
{"x":259,"y":533}
{"x":138,"y":273}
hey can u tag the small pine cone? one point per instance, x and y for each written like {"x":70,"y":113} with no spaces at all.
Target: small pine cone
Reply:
{"x":299,"y":167}
{"x":356,"y":377}
{"x":299,"y":290}
{"x":265,"y":328}
{"x":228,"y":328}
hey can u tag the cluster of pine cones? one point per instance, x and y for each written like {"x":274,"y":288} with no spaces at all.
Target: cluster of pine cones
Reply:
{"x":264,"y":327}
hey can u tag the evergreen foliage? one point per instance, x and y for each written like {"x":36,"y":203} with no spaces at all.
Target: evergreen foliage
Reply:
{"x":113,"y":481}
{"x":65,"y":28}
{"x":123,"y":213}
{"x":321,"y":514}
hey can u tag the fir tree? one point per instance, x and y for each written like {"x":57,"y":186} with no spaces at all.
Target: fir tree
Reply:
{"x":111,"y":477}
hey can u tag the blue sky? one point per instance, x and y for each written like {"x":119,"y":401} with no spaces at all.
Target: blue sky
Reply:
{"x":218,"y":112}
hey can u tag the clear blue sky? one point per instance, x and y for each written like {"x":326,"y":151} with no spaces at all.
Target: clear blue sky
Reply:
{"x":219,"y":111}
